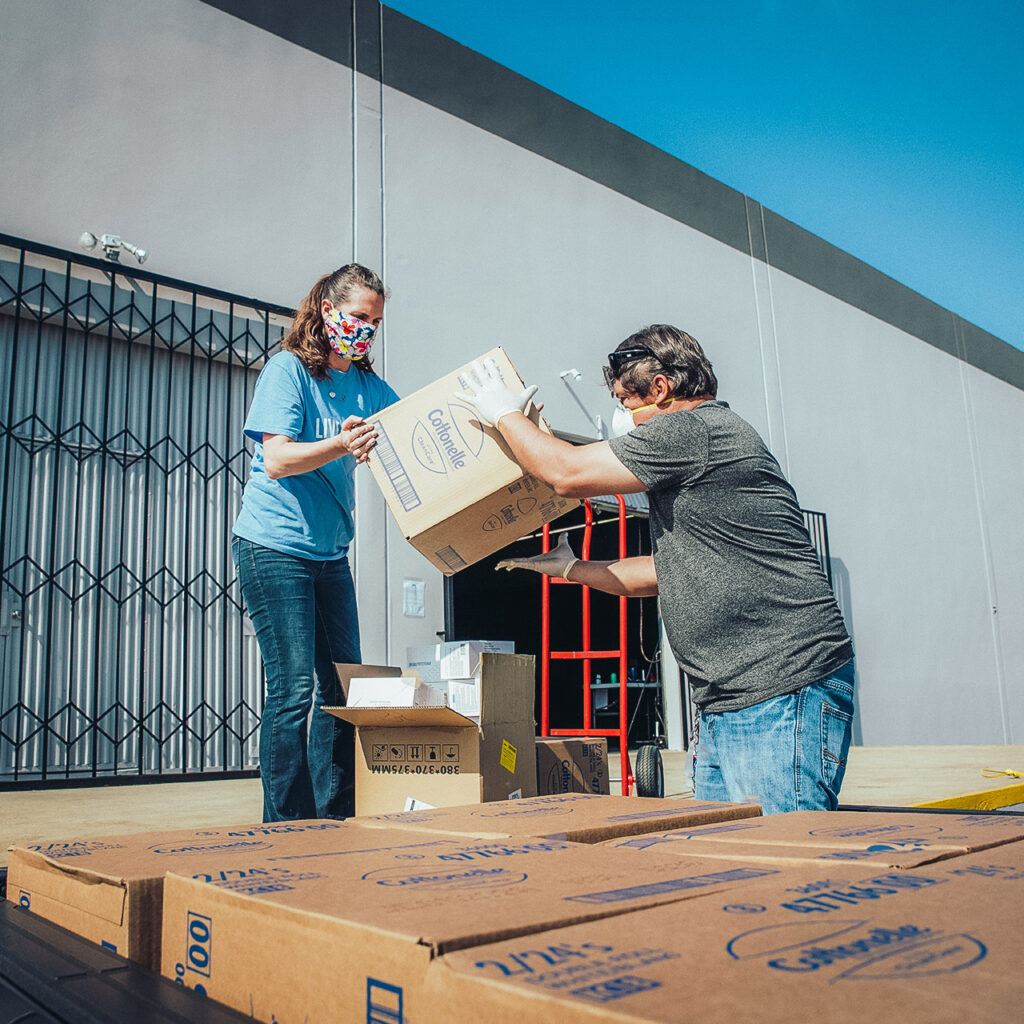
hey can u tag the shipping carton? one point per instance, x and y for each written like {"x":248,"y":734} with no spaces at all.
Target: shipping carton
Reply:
{"x":438,"y":757}
{"x":462,"y":695}
{"x":350,"y":938}
{"x":451,"y":482}
{"x":860,"y":830}
{"x":108,"y":889}
{"x":454,"y":659}
{"x":882,"y":856}
{"x":575,"y":817}
{"x":918,"y":945}
{"x":1007,"y":860}
{"x":572,"y":764}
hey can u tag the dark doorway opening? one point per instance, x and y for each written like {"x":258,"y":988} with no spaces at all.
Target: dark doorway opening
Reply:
{"x":484,"y":604}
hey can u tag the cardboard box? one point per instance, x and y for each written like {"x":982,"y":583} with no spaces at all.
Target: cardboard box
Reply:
{"x":455,"y":659}
{"x":860,"y":830}
{"x":108,"y":890}
{"x":920,"y":945}
{"x":463,"y":695}
{"x":394,"y":692}
{"x":455,"y":489}
{"x":438,"y":757}
{"x":574,"y":817}
{"x":1006,"y":861}
{"x":572,"y":764}
{"x":883,"y":856}
{"x":349,"y":939}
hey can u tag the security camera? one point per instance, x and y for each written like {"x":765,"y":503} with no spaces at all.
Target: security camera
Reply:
{"x":139,"y":254}
{"x":112,"y":246}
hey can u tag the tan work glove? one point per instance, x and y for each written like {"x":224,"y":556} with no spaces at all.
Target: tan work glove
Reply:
{"x":556,"y":562}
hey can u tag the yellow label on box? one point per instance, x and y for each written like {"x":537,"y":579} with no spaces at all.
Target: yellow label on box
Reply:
{"x":508,"y":756}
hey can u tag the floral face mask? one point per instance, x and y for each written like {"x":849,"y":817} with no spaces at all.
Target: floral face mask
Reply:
{"x":348,"y":336}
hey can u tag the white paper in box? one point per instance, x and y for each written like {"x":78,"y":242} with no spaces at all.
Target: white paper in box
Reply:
{"x":394,"y":692}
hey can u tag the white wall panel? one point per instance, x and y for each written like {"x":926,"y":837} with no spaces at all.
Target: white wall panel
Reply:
{"x":489,"y":244}
{"x":878,"y":440}
{"x":222,"y":149}
{"x":997,"y":411}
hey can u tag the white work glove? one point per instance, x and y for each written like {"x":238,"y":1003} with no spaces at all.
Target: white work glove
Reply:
{"x":492,"y":399}
{"x":556,"y":562}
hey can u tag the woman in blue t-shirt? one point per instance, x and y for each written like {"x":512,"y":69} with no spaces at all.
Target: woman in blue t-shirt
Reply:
{"x":291,"y":537}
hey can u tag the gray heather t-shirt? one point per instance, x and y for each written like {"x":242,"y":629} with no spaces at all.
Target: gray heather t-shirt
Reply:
{"x":747,"y":608}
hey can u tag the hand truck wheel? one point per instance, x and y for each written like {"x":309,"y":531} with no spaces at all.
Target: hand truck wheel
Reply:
{"x":650,"y":772}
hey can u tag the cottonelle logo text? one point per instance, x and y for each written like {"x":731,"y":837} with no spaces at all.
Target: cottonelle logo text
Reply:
{"x":858,"y":949}
{"x":471,"y":878}
{"x":241,"y":846}
{"x":444,"y":431}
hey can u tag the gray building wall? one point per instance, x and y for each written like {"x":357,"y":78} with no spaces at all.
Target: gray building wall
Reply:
{"x":253,"y":155}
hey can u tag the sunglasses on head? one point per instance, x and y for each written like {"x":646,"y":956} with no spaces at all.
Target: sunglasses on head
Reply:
{"x":617,"y":360}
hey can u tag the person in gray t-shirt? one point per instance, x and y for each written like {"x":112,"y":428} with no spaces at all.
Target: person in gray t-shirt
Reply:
{"x":747,"y":609}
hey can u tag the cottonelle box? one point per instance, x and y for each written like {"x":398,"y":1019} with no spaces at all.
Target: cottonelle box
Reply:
{"x":867,"y":830}
{"x":108,"y":889}
{"x":1005,"y":861}
{"x":439,"y":757}
{"x":350,"y":938}
{"x":456,"y":491}
{"x":919,"y":945}
{"x":575,"y":817}
{"x":874,"y":857}
{"x":572,"y":764}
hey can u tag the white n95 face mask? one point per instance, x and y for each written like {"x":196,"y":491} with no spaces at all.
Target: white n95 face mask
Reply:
{"x":622,"y":421}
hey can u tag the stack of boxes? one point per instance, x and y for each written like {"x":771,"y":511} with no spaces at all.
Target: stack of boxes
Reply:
{"x":572,"y":907}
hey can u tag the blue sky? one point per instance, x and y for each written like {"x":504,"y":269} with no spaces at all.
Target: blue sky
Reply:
{"x":893,"y":130}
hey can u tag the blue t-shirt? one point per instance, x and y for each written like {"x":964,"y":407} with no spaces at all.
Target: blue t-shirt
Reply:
{"x":310,"y":514}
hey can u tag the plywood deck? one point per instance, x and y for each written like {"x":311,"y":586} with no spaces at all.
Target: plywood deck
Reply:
{"x":878,"y":776}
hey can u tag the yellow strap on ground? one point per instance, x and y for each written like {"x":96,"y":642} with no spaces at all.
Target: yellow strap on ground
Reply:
{"x":987,"y":799}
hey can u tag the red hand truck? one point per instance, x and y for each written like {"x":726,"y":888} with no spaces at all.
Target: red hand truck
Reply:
{"x":587,"y":654}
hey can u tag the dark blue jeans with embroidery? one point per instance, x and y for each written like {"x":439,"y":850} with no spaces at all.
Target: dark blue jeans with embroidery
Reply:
{"x":304,"y":614}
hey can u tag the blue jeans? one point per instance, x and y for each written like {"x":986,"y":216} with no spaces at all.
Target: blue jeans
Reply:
{"x":304,"y":613}
{"x":788,"y":753}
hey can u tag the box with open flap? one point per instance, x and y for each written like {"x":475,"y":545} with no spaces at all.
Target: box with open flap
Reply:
{"x":438,"y":757}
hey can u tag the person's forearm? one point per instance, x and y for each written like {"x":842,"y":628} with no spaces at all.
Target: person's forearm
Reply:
{"x":290,"y":458}
{"x":541,"y":454}
{"x":625,"y":577}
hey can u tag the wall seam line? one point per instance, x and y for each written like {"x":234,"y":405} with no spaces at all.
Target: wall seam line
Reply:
{"x":986,"y":544}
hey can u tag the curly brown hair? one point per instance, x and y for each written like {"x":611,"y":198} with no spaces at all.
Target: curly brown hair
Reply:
{"x":674,"y":353}
{"x":308,"y":336}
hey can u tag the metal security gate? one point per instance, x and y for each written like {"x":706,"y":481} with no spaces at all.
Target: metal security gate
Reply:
{"x":123,"y":652}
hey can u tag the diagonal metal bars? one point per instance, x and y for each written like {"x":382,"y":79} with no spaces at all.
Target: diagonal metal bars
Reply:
{"x":123,"y":649}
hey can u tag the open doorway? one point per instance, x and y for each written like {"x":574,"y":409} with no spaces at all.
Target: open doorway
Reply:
{"x":484,"y":604}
